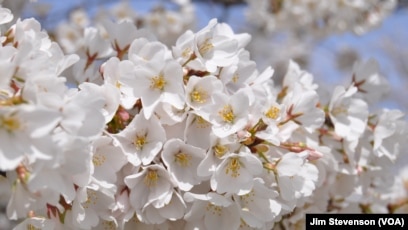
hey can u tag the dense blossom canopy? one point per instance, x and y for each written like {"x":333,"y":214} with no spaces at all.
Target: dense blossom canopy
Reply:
{"x":191,"y":135}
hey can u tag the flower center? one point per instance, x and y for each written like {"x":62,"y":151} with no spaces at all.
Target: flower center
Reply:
{"x":139,"y":142}
{"x":273,"y":112}
{"x":201,"y":122}
{"x":339,"y":110}
{"x":220,"y":150}
{"x":233,"y":167}
{"x":205,"y":46}
{"x":108,"y":225}
{"x":10,"y":123}
{"x":151,"y":178}
{"x":32,"y":227}
{"x":199,"y":96}
{"x":158,"y":82}
{"x":214,"y":209}
{"x":183,"y":159}
{"x":91,"y":198}
{"x":227,"y":114}
{"x":186,"y":52}
{"x":98,"y":160}
{"x":235,"y":78}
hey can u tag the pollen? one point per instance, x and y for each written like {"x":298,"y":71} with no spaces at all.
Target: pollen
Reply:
{"x":186,"y":52}
{"x":139,"y":142}
{"x":118,"y":85}
{"x":339,"y":110}
{"x":183,"y":159}
{"x":201,"y":123}
{"x":10,"y":123}
{"x":32,"y":227}
{"x":98,"y":160}
{"x":108,"y":225}
{"x":151,"y":178}
{"x":199,"y":95}
{"x":227,"y":114}
{"x":206,"y":46}
{"x":214,"y":209}
{"x":235,"y":78}
{"x":273,"y":112}
{"x":220,"y":150}
{"x":91,"y":198}
{"x":233,"y":167}
{"x":248,"y":198}
{"x":158,"y":82}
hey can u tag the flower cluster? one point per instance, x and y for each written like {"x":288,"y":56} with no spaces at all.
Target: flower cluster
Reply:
{"x":192,"y":137}
{"x":321,"y":17}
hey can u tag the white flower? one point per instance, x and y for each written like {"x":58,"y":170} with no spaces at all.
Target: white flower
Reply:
{"x":91,"y":204}
{"x":349,"y":115}
{"x":142,"y":139}
{"x":301,"y":108}
{"x":390,"y":134}
{"x":25,"y":132}
{"x":211,"y":211}
{"x":200,"y":90}
{"x":174,"y":210}
{"x":38,"y":223}
{"x":112,"y":70}
{"x":95,"y":45}
{"x":145,"y":53}
{"x":258,"y":206}
{"x":219,"y":148}
{"x":7,"y":66}
{"x":121,"y":34}
{"x":107,"y":160}
{"x":216,"y":45}
{"x":152,"y":185}
{"x":296,"y":177}
{"x":198,"y":131}
{"x":82,"y":112}
{"x":369,"y":82}
{"x":227,"y":114}
{"x":235,"y":174}
{"x":154,"y":85}
{"x":295,"y":75}
{"x":5,"y":15}
{"x":182,"y":161}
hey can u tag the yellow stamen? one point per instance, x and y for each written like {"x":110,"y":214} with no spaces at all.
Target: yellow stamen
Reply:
{"x":206,"y":46}
{"x":151,"y":178}
{"x":227,"y":114}
{"x":183,"y":159}
{"x":186,"y":52}
{"x":235,"y":78}
{"x":98,"y":160}
{"x":220,"y":150}
{"x":199,"y":95}
{"x":233,"y":167}
{"x":158,"y":82}
{"x":139,"y":142}
{"x":273,"y":112}
{"x":214,"y":209}
{"x":10,"y":123}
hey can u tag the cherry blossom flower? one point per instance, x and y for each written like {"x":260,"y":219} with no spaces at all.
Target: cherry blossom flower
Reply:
{"x":153,"y":185}
{"x":154,"y":85}
{"x":211,"y":211}
{"x":227,"y":114}
{"x":142,"y":140}
{"x":349,"y":115}
{"x":236,"y":172}
{"x":25,"y":129}
{"x":182,"y":161}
